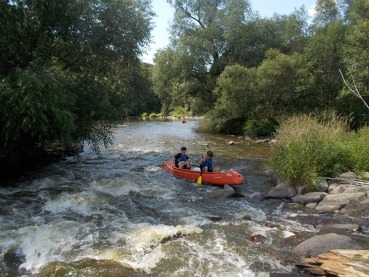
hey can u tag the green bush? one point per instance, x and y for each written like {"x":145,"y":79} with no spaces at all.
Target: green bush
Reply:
{"x":359,"y":150}
{"x":179,"y":112}
{"x":258,"y":128}
{"x":307,"y":148}
{"x":154,"y":115}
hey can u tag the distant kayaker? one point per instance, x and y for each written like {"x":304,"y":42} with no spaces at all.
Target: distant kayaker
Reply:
{"x":206,"y":162}
{"x":181,"y":160}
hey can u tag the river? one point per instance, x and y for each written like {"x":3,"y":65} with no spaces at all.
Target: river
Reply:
{"x":121,"y":214}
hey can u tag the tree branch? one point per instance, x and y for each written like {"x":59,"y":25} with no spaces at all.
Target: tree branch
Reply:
{"x":191,"y":17}
{"x":353,"y":89}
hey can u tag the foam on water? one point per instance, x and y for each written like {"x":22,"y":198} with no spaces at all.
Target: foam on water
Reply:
{"x":154,"y":234}
{"x":83,"y":203}
{"x":117,"y":186}
{"x":153,"y":169}
{"x":30,"y":186}
{"x":214,"y":257}
{"x":143,"y":248}
{"x":42,"y":244}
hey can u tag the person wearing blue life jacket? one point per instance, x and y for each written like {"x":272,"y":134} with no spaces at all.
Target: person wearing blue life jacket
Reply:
{"x":181,"y":160}
{"x":206,"y":163}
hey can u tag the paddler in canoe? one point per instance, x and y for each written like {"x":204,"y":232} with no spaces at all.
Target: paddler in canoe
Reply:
{"x":206,"y":163}
{"x":181,"y":160}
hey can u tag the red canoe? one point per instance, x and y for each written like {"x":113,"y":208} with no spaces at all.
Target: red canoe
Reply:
{"x":229,"y":177}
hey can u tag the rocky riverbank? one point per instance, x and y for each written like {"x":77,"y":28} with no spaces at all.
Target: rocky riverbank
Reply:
{"x":337,"y":248}
{"x":332,"y":252}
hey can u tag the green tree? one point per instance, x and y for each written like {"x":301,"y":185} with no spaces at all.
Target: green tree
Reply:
{"x":323,"y":52}
{"x":200,"y":34}
{"x":279,"y":87}
{"x":68,"y":69}
{"x":355,"y":63}
{"x":236,"y":91}
{"x":284,"y":86}
{"x":327,"y":12}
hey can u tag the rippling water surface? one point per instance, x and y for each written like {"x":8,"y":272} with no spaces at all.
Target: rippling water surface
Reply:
{"x":120,"y":214}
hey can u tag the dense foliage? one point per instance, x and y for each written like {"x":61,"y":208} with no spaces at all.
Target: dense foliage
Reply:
{"x":248,"y":73}
{"x":308,"y":148}
{"x":69,"y":70}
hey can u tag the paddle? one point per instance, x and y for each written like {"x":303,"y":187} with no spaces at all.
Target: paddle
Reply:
{"x":199,"y":180}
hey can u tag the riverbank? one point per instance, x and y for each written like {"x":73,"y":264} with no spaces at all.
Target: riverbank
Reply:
{"x":14,"y":168}
{"x":338,"y":248}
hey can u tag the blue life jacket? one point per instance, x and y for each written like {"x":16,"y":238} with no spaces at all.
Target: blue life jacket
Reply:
{"x":208,"y":164}
{"x":182,"y":158}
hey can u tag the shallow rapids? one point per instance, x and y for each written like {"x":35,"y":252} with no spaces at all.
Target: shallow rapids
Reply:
{"x":120,"y":212}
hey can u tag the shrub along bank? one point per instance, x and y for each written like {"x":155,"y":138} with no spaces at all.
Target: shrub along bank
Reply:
{"x":308,"y":147}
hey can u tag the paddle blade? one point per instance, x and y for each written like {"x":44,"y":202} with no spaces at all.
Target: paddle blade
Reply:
{"x":199,"y":180}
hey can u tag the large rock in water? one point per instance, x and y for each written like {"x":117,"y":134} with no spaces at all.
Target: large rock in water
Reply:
{"x":323,"y":243}
{"x":281,"y":191}
{"x":224,"y":193}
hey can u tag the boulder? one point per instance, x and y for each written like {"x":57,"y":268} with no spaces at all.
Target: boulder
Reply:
{"x":365,"y":175}
{"x":340,"y":228}
{"x":323,"y":243}
{"x":335,"y":202}
{"x":322,"y":184}
{"x":353,"y":189}
{"x":281,"y":191}
{"x":224,"y":193}
{"x":358,"y":210}
{"x":311,"y":205}
{"x":311,"y":197}
{"x":332,"y":187}
{"x":345,"y":263}
{"x":339,"y":189}
{"x":349,"y":175}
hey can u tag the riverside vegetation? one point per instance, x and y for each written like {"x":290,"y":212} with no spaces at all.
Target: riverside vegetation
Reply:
{"x":307,"y":148}
{"x":71,"y":70}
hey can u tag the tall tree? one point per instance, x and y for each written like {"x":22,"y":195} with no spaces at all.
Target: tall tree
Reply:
{"x":323,"y":52}
{"x":201,"y":35}
{"x":356,"y":62}
{"x":67,"y":68}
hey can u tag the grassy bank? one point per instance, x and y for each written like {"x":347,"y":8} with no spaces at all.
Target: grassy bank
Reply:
{"x":308,"y":147}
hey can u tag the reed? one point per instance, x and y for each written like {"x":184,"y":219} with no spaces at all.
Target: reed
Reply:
{"x":308,"y":147}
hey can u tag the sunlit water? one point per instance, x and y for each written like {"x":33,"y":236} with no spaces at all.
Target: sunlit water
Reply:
{"x":120,"y":214}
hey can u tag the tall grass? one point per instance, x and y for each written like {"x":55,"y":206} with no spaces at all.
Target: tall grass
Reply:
{"x":308,"y":147}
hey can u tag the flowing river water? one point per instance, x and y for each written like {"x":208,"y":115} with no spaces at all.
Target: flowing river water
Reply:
{"x":121,"y":214}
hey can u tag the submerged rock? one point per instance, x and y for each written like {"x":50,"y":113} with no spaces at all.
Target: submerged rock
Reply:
{"x":224,"y":193}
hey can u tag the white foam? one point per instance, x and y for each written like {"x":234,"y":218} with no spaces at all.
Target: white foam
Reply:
{"x":49,"y":242}
{"x":80,"y":203}
{"x":117,"y":186}
{"x":213,"y":258}
{"x":144,"y":246}
{"x":155,"y":234}
{"x":153,"y":169}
